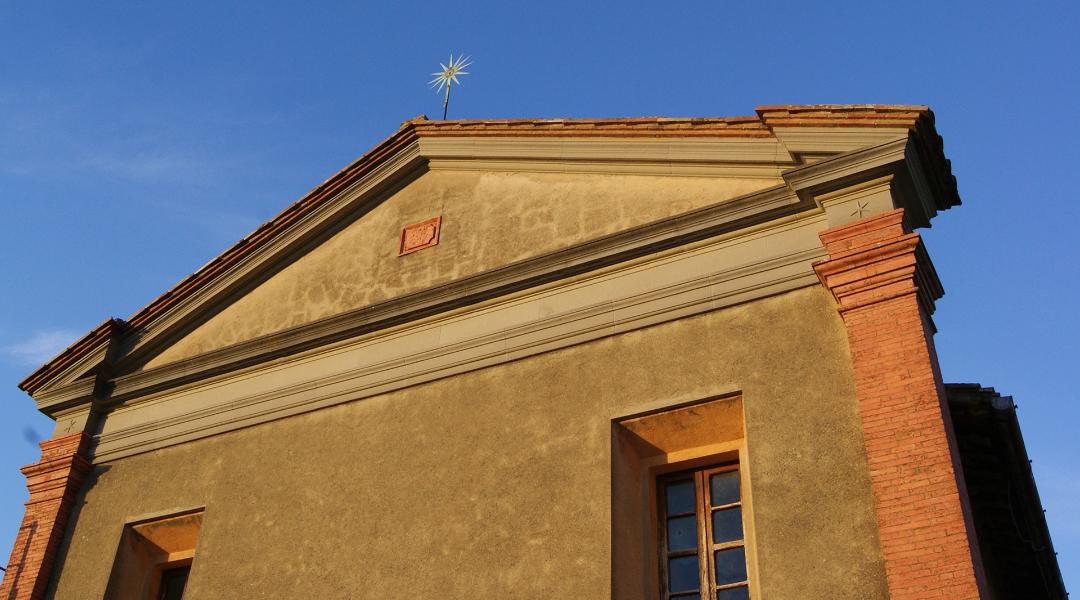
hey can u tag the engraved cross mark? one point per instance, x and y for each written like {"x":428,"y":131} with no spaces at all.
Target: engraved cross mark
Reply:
{"x":861,"y":207}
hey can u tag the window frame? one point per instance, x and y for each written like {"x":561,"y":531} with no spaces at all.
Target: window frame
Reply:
{"x":703,"y":510}
{"x":150,"y":546}
{"x":162,"y":571}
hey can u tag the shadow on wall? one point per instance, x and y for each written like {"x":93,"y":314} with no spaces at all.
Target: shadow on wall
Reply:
{"x":644,"y":446}
{"x":73,"y":518}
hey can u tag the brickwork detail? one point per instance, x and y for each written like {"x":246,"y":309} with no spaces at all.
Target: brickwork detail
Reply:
{"x":54,"y":482}
{"x":419,"y":236}
{"x":885,"y":286}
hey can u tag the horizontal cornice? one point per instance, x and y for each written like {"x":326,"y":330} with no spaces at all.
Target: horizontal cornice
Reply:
{"x":899,"y":158}
{"x":608,"y":150}
{"x":76,"y":360}
{"x":617,"y":248}
{"x":59,"y":398}
{"x":744,"y":265}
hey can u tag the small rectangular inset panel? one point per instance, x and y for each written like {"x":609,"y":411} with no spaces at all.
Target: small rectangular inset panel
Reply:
{"x":418,"y":236}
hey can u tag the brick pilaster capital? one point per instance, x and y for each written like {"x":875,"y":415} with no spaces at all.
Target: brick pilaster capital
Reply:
{"x":54,"y":482}
{"x":63,"y":467}
{"x":885,"y":285}
{"x":876,"y":259}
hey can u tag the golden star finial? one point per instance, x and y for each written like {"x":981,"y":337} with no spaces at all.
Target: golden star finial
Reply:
{"x":448,"y":75}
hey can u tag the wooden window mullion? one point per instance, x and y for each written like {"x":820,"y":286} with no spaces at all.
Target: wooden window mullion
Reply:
{"x":701,"y":513}
{"x":661,"y":500}
{"x":704,"y":565}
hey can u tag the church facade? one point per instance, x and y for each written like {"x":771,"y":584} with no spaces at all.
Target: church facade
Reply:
{"x":646,"y":358}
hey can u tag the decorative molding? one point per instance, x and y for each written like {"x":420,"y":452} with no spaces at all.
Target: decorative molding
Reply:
{"x":54,"y":400}
{"x":154,"y":407}
{"x":696,"y":156}
{"x":749,"y":157}
{"x":834,"y":140}
{"x":655,"y":237}
{"x":417,"y":236}
{"x":843,"y":170}
{"x":898,"y":159}
{"x":673,"y":285}
{"x":408,"y":163}
{"x":858,"y":201}
{"x":668,"y":155}
{"x":880,"y":245}
{"x":665,"y":169}
{"x":885,"y":286}
{"x":360,"y":196}
{"x":671,"y":146}
{"x":75,"y":361}
{"x":720,"y":219}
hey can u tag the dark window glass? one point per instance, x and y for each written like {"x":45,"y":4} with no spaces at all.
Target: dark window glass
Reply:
{"x":725,"y":488}
{"x":739,"y":593}
{"x":172,"y":583}
{"x":680,"y":497}
{"x":730,"y":566}
{"x":683,"y":574}
{"x":682,"y":533}
{"x":727,"y":525}
{"x":702,"y":556}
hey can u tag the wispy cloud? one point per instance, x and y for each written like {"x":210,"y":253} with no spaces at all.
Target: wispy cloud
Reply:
{"x":39,"y":347}
{"x":156,"y":142}
{"x":158,"y":166}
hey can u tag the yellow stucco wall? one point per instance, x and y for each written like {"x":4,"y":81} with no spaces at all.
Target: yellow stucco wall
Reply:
{"x":489,"y":219}
{"x":497,"y":483}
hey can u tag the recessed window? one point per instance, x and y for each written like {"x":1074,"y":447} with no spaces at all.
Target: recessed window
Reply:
{"x":173,"y":581}
{"x":155,"y":557}
{"x":702,"y":547}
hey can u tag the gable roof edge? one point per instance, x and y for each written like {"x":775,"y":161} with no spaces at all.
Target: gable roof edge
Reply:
{"x":760,"y":125}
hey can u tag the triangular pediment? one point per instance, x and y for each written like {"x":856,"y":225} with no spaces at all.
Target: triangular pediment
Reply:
{"x":487,"y":219}
{"x":505,"y":192}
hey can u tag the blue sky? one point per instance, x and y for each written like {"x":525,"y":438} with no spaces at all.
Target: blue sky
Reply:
{"x":138,"y":140}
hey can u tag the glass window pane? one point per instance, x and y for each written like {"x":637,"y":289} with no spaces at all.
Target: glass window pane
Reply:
{"x":172,"y":583}
{"x":680,"y":497}
{"x":682,"y":533}
{"x":725,"y":487}
{"x":727,"y":525}
{"x":692,"y":596}
{"x":739,"y":593}
{"x":683,"y":574}
{"x":730,"y":566}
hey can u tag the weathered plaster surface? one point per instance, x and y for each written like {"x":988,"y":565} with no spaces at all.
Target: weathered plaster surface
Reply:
{"x":489,"y":219}
{"x":497,"y":483}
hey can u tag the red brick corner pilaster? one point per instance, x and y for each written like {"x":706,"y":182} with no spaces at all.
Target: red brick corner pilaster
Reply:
{"x":54,"y":481}
{"x":885,"y":286}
